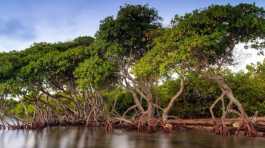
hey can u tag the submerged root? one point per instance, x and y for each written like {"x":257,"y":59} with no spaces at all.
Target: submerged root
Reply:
{"x":143,"y":123}
{"x":140,"y":124}
{"x":247,"y":127}
{"x":152,"y":124}
{"x":108,"y":125}
{"x":166,"y":127}
{"x":221,"y":129}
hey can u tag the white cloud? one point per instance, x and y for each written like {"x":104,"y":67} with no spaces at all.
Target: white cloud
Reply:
{"x":244,"y":57}
{"x":8,"y":44}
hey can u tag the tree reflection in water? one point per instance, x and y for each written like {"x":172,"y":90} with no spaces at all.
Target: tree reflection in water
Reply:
{"x":74,"y":137}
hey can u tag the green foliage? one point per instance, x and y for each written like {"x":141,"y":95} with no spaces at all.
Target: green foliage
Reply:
{"x":134,"y":41}
{"x":94,"y":72}
{"x":130,"y":29}
{"x":118,"y":98}
{"x":209,"y":35}
{"x":193,"y":102}
{"x":250,"y":88}
{"x":23,"y":111}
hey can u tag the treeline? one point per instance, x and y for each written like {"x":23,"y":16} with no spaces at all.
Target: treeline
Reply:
{"x":137,"y":72}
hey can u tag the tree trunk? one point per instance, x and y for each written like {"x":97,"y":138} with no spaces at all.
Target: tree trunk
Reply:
{"x":172,"y":100}
{"x":229,"y":94}
{"x":137,"y":101}
{"x":150,"y":108}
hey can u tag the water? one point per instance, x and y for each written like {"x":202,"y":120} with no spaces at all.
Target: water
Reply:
{"x":88,"y":137}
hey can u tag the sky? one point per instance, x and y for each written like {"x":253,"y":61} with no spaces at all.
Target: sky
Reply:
{"x":23,"y":22}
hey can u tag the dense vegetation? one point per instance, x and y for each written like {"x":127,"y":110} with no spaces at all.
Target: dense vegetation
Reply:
{"x":138,"y":72}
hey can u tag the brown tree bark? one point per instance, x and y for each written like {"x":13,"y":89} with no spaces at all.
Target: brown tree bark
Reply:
{"x":150,"y":108}
{"x":246,"y":123}
{"x":227,"y":91}
{"x":137,"y":101}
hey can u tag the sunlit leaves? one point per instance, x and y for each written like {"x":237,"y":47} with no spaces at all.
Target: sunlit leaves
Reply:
{"x":94,"y":72}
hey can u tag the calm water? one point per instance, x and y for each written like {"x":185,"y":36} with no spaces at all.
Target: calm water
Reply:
{"x":87,"y":137}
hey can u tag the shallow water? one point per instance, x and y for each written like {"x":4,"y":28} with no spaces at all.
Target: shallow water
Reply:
{"x":74,"y":137}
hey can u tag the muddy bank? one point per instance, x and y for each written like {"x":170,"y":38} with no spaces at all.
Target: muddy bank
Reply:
{"x":206,"y":124}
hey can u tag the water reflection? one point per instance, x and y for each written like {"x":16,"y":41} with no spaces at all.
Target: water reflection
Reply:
{"x":95,"y":137}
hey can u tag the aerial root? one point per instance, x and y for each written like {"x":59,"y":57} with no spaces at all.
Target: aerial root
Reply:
{"x":152,"y":124}
{"x":247,"y":127}
{"x":108,"y":126}
{"x":140,"y":125}
{"x":144,"y":123}
{"x":221,"y":129}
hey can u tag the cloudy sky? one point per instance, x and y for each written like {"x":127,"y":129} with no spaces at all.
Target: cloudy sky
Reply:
{"x":23,"y":22}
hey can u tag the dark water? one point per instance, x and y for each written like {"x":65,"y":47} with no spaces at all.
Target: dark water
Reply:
{"x":97,"y":138}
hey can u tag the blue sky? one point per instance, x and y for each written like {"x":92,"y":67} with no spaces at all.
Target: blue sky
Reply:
{"x":23,"y":22}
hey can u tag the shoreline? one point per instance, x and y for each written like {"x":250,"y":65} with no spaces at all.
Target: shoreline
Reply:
{"x":201,"y":124}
